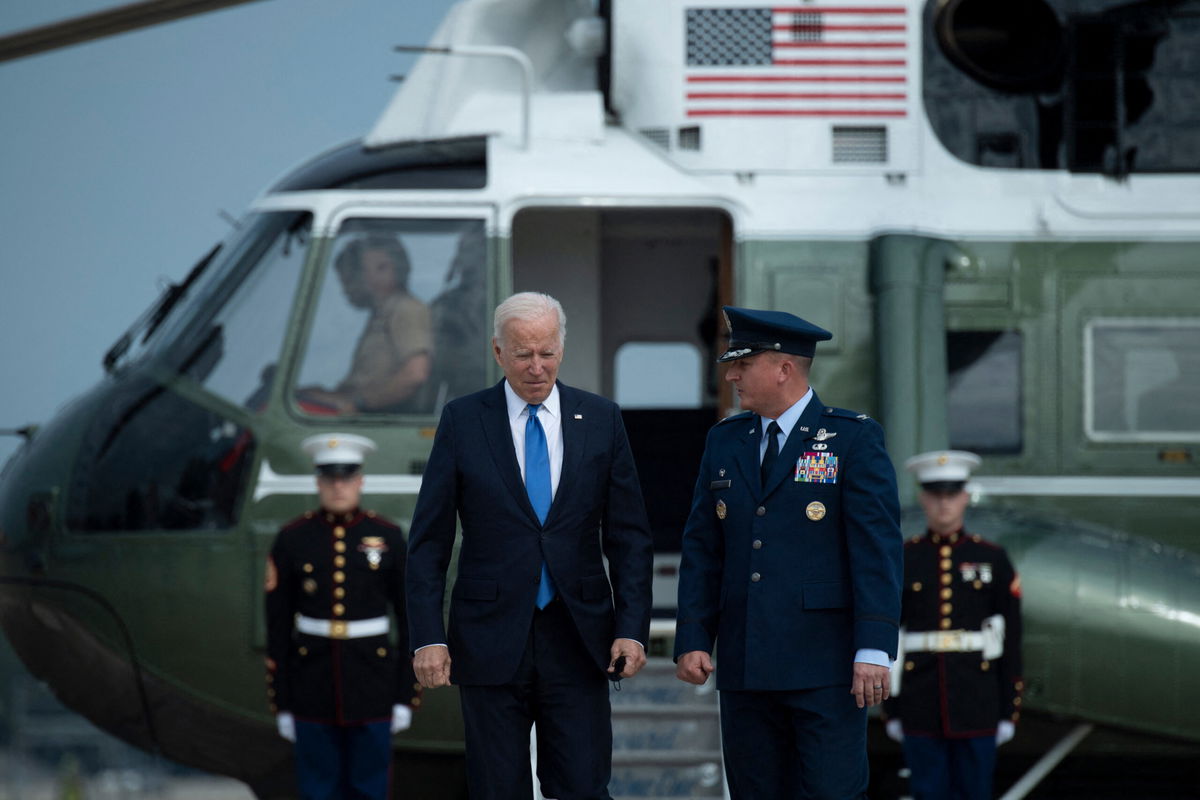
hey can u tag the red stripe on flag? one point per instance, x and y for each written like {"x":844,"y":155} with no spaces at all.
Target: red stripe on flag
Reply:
{"x":842,"y":45}
{"x":838,"y":62}
{"x":785,"y":112}
{"x":796,"y":79}
{"x":790,"y":96}
{"x":814,"y":26}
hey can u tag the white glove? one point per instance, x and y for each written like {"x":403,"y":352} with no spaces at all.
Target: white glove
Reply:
{"x":401,"y":718}
{"x":895,"y":730}
{"x":1004,"y":731}
{"x":286,"y":724}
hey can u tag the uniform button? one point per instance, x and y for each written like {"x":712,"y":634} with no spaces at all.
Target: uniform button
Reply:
{"x":274,"y":708}
{"x":339,"y":592}
{"x":339,"y":577}
{"x":1016,"y":716}
{"x":1020,"y":685}
{"x":916,"y":586}
{"x":945,"y":623}
{"x":303,"y":651}
{"x":985,"y":666}
{"x":947,"y":608}
{"x":339,"y":561}
{"x":757,"y":544}
{"x":755,"y":577}
{"x":416,"y":701}
{"x":908,"y":666}
{"x":338,"y":609}
{"x":945,"y":551}
{"x":947,"y":593}
{"x":947,"y":563}
{"x":760,"y":511}
{"x":308,"y":567}
{"x":947,"y":578}
{"x":416,"y":687}
{"x":339,"y":546}
{"x":382,"y":652}
{"x":339,"y":531}
{"x":270,"y":692}
{"x":978,"y":585}
{"x":1016,"y":701}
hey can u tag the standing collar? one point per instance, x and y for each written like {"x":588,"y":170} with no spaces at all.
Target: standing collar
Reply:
{"x":516,"y":406}
{"x":788,"y":419}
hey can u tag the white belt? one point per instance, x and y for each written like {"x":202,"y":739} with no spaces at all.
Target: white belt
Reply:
{"x":943,"y":642}
{"x":342,"y":628}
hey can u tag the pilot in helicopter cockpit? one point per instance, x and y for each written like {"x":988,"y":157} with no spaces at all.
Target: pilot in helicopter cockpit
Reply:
{"x":394,"y":353}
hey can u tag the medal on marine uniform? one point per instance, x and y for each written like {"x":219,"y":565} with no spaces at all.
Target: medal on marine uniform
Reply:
{"x":374,"y":547}
{"x":721,"y":510}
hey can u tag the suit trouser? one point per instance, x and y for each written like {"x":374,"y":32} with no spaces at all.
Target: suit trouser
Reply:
{"x":950,"y":769}
{"x":343,"y":762}
{"x":558,"y":686}
{"x":800,"y":744}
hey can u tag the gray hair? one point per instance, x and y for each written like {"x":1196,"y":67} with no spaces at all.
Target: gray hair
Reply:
{"x":530,"y":306}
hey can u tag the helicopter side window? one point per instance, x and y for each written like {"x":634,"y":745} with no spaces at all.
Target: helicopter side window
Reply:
{"x":1143,"y":379}
{"x":984,"y":390}
{"x":401,"y":321}
{"x":153,"y":460}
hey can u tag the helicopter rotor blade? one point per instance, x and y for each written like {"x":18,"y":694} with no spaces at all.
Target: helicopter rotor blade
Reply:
{"x":101,"y":24}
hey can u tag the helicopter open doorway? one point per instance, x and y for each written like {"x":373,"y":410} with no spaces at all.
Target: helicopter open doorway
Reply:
{"x":643,"y":289}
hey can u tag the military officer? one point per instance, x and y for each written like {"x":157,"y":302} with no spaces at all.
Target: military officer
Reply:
{"x":337,"y":683}
{"x":958,"y":679}
{"x":791,"y":566}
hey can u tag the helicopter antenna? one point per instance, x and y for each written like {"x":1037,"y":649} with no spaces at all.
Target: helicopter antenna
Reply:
{"x":491,"y":51}
{"x":230,"y":218}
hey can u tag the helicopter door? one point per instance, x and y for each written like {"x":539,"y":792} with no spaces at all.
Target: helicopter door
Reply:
{"x":642,"y":290}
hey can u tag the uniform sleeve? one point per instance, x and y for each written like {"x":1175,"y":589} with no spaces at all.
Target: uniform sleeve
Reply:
{"x":407,"y":689}
{"x":431,"y":539}
{"x":627,"y":542}
{"x":1008,"y":602}
{"x":702,"y":557}
{"x":410,"y":329}
{"x":280,"y":610}
{"x":875,"y":546}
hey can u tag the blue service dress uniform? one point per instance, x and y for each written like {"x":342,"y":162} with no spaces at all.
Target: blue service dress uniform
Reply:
{"x":950,"y":689}
{"x":790,"y":578}
{"x":340,"y":568}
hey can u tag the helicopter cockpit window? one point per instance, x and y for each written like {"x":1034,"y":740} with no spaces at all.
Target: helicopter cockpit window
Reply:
{"x":229,"y":330}
{"x":1057,"y":84}
{"x":153,"y":461}
{"x":1143,"y":380}
{"x":984,"y":390}
{"x":401,"y":323}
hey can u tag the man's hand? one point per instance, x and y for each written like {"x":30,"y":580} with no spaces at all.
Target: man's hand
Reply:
{"x":694,"y":666}
{"x":870,"y":685}
{"x":432,"y":666}
{"x":635,"y":657}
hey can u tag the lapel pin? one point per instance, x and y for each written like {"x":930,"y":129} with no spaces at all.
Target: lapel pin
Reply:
{"x":579,"y":416}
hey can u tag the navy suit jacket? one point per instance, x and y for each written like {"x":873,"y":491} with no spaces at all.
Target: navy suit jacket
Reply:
{"x":790,"y":579}
{"x":473,"y":476}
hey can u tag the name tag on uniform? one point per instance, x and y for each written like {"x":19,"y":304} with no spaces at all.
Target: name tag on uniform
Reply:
{"x":817,"y":467}
{"x":725,"y":484}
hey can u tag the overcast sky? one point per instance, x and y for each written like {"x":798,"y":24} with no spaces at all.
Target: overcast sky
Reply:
{"x":117,"y":156}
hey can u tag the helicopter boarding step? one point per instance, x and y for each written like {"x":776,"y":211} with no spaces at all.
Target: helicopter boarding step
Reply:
{"x":666,"y":737}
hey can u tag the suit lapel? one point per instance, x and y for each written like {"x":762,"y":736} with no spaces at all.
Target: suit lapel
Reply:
{"x":794,"y":445}
{"x":498,"y":432}
{"x":747,"y":451}
{"x":574,"y":442}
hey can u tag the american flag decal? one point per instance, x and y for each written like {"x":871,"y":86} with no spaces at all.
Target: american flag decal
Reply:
{"x":847,"y":60}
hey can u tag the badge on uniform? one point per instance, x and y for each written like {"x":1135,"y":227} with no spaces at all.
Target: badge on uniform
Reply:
{"x":374,"y":547}
{"x":815,"y":511}
{"x":817,"y":467}
{"x":721,"y":509}
{"x":310,"y":586}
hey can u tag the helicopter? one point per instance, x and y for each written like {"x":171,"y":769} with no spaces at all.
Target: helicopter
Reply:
{"x":994,"y":209}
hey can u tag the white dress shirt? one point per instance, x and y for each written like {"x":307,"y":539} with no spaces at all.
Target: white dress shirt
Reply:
{"x":550,"y":417}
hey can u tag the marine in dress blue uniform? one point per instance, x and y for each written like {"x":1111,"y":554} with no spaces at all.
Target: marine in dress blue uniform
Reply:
{"x":957,"y":684}
{"x":791,"y":568}
{"x":338,"y":685}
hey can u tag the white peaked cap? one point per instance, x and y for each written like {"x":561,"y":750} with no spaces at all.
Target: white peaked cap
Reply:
{"x":337,"y":448}
{"x":942,"y":465}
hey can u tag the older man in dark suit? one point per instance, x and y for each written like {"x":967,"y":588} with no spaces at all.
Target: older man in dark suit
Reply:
{"x":792,"y":564}
{"x":541,"y":477}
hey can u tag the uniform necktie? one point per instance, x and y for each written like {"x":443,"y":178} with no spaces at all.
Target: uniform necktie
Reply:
{"x":772,"y":453}
{"x":537,"y":486}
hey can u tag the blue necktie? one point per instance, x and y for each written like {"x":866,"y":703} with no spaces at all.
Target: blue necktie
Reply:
{"x":537,"y":486}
